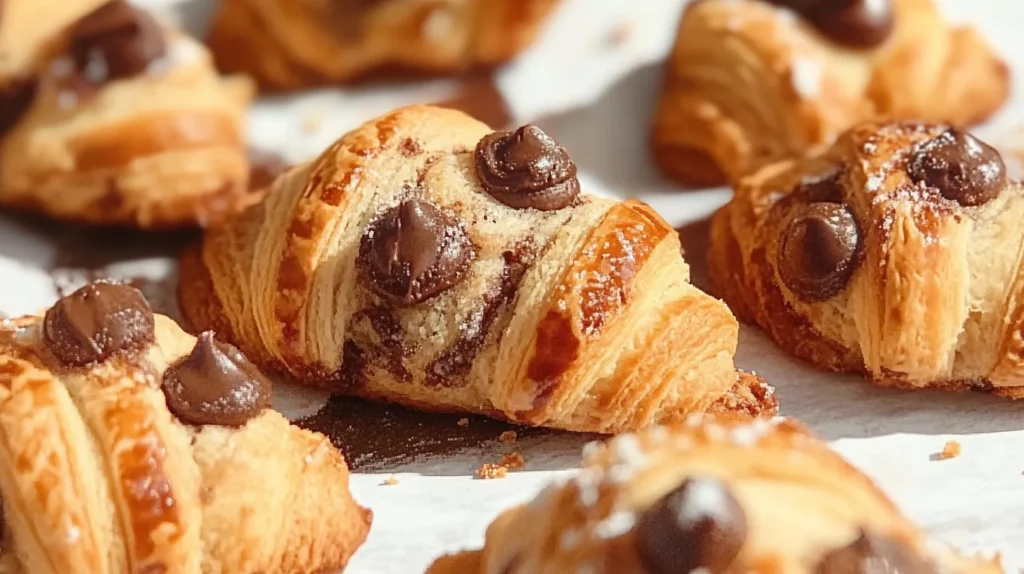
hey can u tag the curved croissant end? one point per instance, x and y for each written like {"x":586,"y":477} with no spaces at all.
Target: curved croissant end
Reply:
{"x":896,"y":253}
{"x":294,"y":44}
{"x":750,"y":83}
{"x":111,"y":461}
{"x":709,"y":495}
{"x":389,"y":268}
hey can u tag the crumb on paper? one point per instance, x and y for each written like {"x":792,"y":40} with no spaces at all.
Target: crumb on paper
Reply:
{"x":491,"y":470}
{"x":508,"y":436}
{"x":390,"y":481}
{"x":463,"y":422}
{"x":949,"y":450}
{"x":313,"y":120}
{"x":513,"y":461}
{"x":619,"y":35}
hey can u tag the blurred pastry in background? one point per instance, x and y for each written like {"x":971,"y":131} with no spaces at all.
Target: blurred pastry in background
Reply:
{"x":294,"y":44}
{"x":750,"y":82}
{"x":119,"y":120}
{"x":896,"y":253}
{"x":711,"y":496}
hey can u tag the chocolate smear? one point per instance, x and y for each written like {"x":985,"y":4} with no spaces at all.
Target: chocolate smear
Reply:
{"x":874,"y":554}
{"x":115,"y":41}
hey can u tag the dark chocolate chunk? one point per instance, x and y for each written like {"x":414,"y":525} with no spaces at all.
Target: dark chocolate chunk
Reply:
{"x":962,"y":167}
{"x":115,"y":41}
{"x":15,"y":99}
{"x":96,"y":322}
{"x":818,"y":251}
{"x":854,"y":23}
{"x":414,"y":252}
{"x":698,"y":525}
{"x":215,"y":385}
{"x":526,"y":168}
{"x":874,"y":554}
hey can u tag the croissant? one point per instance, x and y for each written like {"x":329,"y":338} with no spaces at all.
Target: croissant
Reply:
{"x":118,"y":120}
{"x":894,"y":253}
{"x":752,"y":82}
{"x":711,"y":496}
{"x":294,"y":44}
{"x":126,"y":445}
{"x":426,"y":260}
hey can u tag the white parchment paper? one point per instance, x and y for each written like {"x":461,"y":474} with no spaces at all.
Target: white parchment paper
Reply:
{"x":590,"y":82}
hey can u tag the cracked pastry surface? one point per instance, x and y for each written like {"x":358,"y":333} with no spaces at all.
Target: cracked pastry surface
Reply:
{"x":714,"y":496}
{"x":113,"y":118}
{"x":426,"y":260}
{"x":751,"y":82}
{"x":896,"y":253}
{"x":126,"y":445}
{"x":294,"y":44}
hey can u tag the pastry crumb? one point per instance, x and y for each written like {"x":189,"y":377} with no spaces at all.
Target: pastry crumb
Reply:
{"x":491,"y":470}
{"x":390,"y":481}
{"x":619,"y":35}
{"x":513,"y":461}
{"x":949,"y":450}
{"x":463,"y":422}
{"x":508,"y":436}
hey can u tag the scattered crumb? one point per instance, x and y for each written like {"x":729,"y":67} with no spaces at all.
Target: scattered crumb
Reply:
{"x":491,"y":470}
{"x":513,"y":461}
{"x":619,"y":35}
{"x":463,"y":422}
{"x":508,"y":436}
{"x":950,"y":450}
{"x":390,"y":481}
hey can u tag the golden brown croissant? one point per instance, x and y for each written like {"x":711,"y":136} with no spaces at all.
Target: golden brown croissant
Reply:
{"x":715,"y":497}
{"x":120,"y":120}
{"x":426,"y":260}
{"x":293,"y":44}
{"x":126,"y":445}
{"x":895,"y":253}
{"x":751,"y":82}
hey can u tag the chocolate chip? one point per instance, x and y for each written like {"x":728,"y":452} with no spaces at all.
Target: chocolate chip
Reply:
{"x":215,"y":385}
{"x":15,"y":99}
{"x":96,"y":322}
{"x":962,"y":167}
{"x":873,"y":554}
{"x":115,"y":41}
{"x":414,"y":252}
{"x":854,"y":23}
{"x":698,"y":525}
{"x":818,"y":251}
{"x":526,"y":168}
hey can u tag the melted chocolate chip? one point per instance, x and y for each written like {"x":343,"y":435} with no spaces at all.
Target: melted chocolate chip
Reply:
{"x":873,"y":554}
{"x":526,"y":168}
{"x":15,"y":98}
{"x":698,"y":525}
{"x":115,"y":41}
{"x":215,"y":385}
{"x":962,"y":167}
{"x":818,"y":251}
{"x":854,"y":23}
{"x":96,"y":322}
{"x":414,"y":252}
